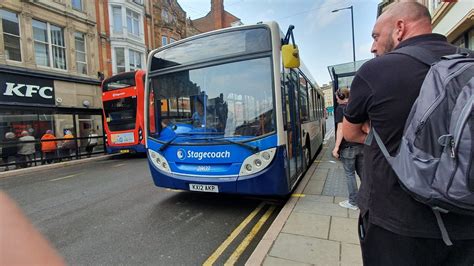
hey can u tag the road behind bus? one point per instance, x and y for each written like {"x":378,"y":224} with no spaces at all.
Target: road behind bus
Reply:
{"x":109,"y":212}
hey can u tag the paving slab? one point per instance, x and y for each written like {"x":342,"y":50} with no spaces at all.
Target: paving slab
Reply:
{"x":314,"y":187}
{"x":306,"y":249}
{"x":344,"y":230}
{"x":307,"y":224}
{"x":272,"y":261}
{"x":350,"y":254}
{"x":322,"y":208}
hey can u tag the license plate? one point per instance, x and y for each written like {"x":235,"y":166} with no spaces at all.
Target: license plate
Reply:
{"x":124,"y":151}
{"x":204,"y":188}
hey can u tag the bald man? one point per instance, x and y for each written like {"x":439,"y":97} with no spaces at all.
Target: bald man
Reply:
{"x":394,"y":228}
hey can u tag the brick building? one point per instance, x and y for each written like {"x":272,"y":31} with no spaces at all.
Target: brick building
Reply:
{"x":125,"y":34}
{"x":169,"y":22}
{"x":217,"y":18}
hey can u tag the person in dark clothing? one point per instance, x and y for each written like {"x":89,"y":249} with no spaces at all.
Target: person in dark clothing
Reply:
{"x":9,"y":149}
{"x":350,"y":153}
{"x":394,"y":228}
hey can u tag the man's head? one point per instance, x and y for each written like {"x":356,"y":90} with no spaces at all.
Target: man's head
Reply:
{"x":342,"y":95}
{"x":401,"y":21}
{"x":24,"y":133}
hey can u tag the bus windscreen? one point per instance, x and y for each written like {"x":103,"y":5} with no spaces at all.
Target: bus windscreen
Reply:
{"x":225,"y":44}
{"x":120,"y":114}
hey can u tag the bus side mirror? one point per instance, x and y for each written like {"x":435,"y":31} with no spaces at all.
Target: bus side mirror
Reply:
{"x":290,"y":55}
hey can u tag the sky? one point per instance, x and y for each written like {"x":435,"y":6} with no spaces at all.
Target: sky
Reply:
{"x":324,"y":38}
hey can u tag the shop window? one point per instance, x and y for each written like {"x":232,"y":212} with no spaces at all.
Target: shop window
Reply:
{"x":135,"y":60}
{"x":77,"y":5}
{"x":164,"y":40}
{"x":120,"y":60}
{"x":48,"y":38}
{"x":133,"y":23}
{"x":87,"y":124}
{"x":81,"y":60}
{"x":11,"y":35}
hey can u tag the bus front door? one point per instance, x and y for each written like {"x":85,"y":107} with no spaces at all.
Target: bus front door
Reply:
{"x":295,"y":150}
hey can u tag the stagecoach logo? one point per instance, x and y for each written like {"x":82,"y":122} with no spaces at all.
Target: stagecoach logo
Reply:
{"x":182,"y":154}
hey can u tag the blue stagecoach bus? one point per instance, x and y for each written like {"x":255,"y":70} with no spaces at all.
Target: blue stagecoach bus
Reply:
{"x":232,"y":111}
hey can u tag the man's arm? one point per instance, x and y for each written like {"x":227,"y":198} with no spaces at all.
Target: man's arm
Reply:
{"x":355,"y":132}
{"x":335,"y":151}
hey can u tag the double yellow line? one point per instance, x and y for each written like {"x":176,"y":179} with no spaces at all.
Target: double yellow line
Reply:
{"x":247,"y":240}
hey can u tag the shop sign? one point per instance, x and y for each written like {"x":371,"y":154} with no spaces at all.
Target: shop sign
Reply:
{"x":24,"y":89}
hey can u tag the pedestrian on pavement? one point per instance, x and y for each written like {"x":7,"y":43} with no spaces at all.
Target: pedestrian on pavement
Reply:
{"x":394,"y":228}
{"x":26,"y":149}
{"x":67,"y":145}
{"x":350,"y":153}
{"x":9,"y":149}
{"x":48,"y":147}
{"x":91,"y":142}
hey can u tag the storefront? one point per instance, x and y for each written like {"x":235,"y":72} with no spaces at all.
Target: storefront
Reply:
{"x":38,"y":102}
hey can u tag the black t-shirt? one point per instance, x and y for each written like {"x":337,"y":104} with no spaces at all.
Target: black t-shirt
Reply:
{"x":383,"y":91}
{"x":338,"y":116}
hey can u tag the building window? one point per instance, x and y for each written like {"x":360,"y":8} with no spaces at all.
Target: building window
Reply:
{"x":81,"y":61}
{"x":117,"y":19}
{"x":135,"y":60}
{"x":138,"y":2}
{"x":77,"y":5}
{"x":172,"y":40}
{"x":164,"y":15}
{"x":133,"y":22}
{"x":120,"y":60}
{"x":164,"y":40}
{"x":434,"y":5}
{"x":11,"y":35}
{"x":50,"y":49}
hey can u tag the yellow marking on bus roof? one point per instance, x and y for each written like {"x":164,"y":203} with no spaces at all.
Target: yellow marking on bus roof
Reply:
{"x":61,"y":178}
{"x":118,"y":165}
{"x":246,"y":242}
{"x":215,"y":255}
{"x":296,"y":195}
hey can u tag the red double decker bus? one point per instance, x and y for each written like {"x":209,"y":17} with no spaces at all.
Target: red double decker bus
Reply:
{"x":123,"y":98}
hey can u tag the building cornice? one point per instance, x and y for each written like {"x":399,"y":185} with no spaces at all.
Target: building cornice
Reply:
{"x":48,"y":75}
{"x":440,"y":12}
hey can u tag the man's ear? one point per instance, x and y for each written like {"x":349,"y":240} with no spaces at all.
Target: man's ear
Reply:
{"x":400,"y":30}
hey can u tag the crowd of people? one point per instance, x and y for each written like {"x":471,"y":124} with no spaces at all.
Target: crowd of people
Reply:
{"x":23,"y":151}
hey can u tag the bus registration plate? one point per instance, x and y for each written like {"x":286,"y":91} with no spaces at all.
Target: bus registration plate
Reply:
{"x":204,"y":188}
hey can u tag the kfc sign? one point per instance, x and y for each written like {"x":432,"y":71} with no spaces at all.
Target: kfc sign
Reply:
{"x":23,"y":89}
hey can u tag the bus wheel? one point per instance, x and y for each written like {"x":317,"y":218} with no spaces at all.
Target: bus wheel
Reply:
{"x":307,"y":155}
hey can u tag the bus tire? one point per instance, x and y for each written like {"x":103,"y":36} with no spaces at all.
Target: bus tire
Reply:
{"x":307,"y":155}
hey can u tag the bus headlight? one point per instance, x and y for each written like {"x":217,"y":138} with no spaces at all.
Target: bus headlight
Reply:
{"x":159,"y":161}
{"x":257,"y":162}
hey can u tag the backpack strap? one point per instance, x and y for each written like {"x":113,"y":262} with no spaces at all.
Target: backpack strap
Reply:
{"x":374,"y":135}
{"x":442,"y":228}
{"x":419,"y":53}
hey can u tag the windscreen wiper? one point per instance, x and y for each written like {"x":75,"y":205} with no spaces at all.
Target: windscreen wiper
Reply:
{"x":166,"y":144}
{"x":254,"y":149}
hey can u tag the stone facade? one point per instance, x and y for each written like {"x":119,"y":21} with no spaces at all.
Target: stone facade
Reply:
{"x":61,"y":14}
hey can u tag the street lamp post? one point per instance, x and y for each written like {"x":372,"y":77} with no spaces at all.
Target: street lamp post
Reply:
{"x":352,"y":20}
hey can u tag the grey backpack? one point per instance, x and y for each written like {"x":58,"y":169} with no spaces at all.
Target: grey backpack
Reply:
{"x":434,"y":161}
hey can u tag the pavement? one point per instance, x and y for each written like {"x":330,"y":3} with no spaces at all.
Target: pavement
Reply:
{"x":312,"y":229}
